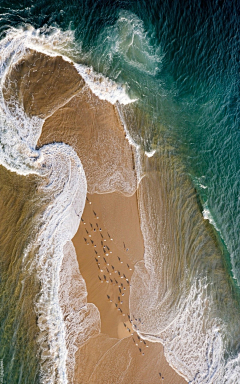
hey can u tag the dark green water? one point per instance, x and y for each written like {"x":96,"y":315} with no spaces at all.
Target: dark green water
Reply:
{"x":180,"y":59}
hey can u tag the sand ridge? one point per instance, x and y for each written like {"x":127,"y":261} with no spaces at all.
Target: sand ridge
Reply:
{"x":92,"y":127}
{"x":118,"y":353}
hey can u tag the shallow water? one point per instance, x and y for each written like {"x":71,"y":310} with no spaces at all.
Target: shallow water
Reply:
{"x":19,"y":213}
{"x":180,"y":61}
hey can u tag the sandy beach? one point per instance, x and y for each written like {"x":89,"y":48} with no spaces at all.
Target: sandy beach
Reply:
{"x":118,"y":354}
{"x":109,"y":241}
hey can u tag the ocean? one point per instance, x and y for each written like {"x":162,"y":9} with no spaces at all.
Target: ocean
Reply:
{"x":174,"y":68}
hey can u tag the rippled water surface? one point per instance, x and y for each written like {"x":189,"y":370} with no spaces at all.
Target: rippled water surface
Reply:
{"x":180,"y":61}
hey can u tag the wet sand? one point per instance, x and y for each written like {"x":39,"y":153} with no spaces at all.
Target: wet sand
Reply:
{"x":109,"y":241}
{"x":92,"y":127}
{"x":108,"y":245}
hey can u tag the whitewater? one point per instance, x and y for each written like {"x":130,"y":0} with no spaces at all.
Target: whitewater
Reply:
{"x":192,"y":340}
{"x":64,"y":180}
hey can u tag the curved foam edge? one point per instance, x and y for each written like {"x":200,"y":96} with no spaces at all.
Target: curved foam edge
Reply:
{"x":103,"y":87}
{"x":55,"y":45}
{"x":81,"y":319}
{"x":66,"y":183}
{"x":60,"y":222}
{"x":63,"y":179}
{"x":193,"y":335}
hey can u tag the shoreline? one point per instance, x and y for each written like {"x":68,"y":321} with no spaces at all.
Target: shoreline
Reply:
{"x":90,"y":126}
{"x":118,"y":329}
{"x":93,"y":128}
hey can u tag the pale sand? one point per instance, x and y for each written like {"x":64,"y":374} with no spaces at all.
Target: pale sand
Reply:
{"x":92,"y":127}
{"x":119,"y":213}
{"x":114,"y":356}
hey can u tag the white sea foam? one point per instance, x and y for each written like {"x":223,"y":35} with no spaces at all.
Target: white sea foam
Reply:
{"x":193,"y":344}
{"x":151,"y":153}
{"x":232,"y":371}
{"x":208,"y":216}
{"x":192,"y":347}
{"x":64,"y":181}
{"x":193,"y":339}
{"x":18,"y":133}
{"x":82,"y":319}
{"x":200,"y":182}
{"x":128,"y":39}
{"x":104,"y":88}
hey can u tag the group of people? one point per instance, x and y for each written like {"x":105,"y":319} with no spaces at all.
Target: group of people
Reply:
{"x":108,"y":273}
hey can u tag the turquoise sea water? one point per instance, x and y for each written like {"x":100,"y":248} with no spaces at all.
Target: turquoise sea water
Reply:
{"x":180,"y":59}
